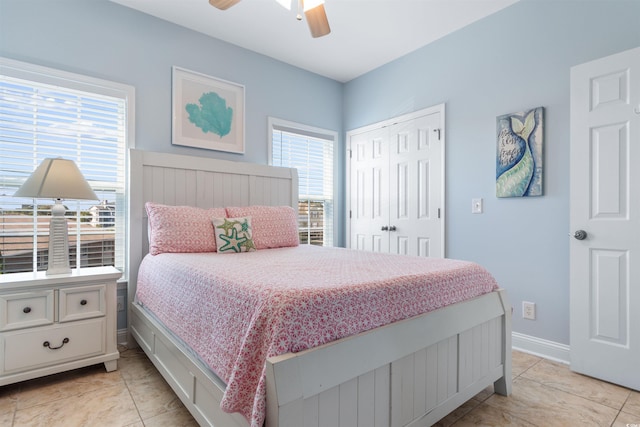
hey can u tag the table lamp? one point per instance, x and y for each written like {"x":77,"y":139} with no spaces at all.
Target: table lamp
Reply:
{"x":57,"y":178}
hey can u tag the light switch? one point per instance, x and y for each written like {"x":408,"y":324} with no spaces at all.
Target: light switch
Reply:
{"x":476,"y":206}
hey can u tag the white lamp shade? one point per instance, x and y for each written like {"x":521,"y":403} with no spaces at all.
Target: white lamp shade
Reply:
{"x":56,"y":178}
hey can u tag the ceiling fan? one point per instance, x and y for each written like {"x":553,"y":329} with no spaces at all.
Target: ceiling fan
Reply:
{"x":313,"y":11}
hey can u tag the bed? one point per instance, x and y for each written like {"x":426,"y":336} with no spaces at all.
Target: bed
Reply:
{"x":415,"y":372}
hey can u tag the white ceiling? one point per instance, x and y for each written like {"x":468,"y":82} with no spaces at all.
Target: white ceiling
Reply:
{"x":365,"y":34}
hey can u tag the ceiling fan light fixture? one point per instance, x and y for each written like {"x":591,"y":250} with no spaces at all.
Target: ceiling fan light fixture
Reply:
{"x":223,"y":4}
{"x":313,"y":11}
{"x":316,"y":18}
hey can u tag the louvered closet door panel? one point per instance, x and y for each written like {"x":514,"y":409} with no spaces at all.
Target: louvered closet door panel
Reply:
{"x":415,"y":188}
{"x":369,"y":190}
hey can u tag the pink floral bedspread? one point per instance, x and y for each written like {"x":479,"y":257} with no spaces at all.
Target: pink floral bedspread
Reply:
{"x":236,"y":310}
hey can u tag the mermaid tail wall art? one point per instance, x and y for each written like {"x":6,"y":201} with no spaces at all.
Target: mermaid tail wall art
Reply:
{"x":519,"y":154}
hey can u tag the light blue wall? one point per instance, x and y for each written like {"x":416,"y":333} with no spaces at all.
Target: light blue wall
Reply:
{"x":102,"y":39}
{"x":514,"y":60}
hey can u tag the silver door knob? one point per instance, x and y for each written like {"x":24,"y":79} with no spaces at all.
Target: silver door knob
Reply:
{"x":580,"y":235}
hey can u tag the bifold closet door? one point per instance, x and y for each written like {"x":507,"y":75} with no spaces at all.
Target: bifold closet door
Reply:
{"x":415,"y":187}
{"x":396,"y":187}
{"x":370,"y":190}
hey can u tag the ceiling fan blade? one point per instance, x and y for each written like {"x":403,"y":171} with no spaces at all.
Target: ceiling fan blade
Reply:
{"x":223,"y":4}
{"x":317,"y":20}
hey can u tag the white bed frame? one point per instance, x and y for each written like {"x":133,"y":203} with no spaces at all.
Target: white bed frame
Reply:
{"x":410,"y":373}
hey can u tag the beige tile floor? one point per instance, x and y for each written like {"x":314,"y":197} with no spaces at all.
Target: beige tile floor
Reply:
{"x":544,"y":394}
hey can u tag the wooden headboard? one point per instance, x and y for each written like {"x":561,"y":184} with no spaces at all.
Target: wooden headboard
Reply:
{"x":177,"y":180}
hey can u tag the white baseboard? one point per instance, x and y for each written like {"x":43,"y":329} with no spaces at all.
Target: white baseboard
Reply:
{"x":540,"y":347}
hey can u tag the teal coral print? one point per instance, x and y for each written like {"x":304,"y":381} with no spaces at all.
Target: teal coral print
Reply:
{"x":212,"y":115}
{"x":519,"y":154}
{"x":233,"y":235}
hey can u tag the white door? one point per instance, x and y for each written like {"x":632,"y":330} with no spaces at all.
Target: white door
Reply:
{"x":396,"y":197}
{"x":369,"y":190}
{"x":415,"y":188}
{"x":605,"y":205}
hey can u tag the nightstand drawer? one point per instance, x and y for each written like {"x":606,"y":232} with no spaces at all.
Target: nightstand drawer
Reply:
{"x":81,"y":303}
{"x":47,"y":346}
{"x":25,"y":310}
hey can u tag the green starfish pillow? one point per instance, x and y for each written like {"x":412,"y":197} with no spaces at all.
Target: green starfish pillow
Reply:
{"x":233,"y":235}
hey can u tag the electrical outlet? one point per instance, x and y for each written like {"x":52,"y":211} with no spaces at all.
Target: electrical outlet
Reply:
{"x":528,"y":310}
{"x":121,"y":303}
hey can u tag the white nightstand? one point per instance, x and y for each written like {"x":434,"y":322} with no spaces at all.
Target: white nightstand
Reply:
{"x":50,"y":324}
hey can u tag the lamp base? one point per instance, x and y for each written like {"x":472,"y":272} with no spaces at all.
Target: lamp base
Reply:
{"x":58,"y":241}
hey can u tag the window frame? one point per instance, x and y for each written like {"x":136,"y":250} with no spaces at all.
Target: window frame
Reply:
{"x":275,"y":123}
{"x":50,"y":76}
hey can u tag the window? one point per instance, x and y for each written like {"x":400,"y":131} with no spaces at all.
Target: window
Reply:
{"x":310,"y":150}
{"x":50,"y":113}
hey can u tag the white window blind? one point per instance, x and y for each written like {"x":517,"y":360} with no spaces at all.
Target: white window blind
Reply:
{"x":49,"y":113}
{"x":311,"y":153}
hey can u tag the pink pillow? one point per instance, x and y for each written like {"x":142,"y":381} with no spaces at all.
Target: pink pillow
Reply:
{"x":181,"y":228}
{"x":273,"y":226}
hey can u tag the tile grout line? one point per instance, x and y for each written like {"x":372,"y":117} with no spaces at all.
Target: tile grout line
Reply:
{"x":15,"y":408}
{"x":126,"y":384}
{"x":21,"y":390}
{"x":553,"y":386}
{"x":619,"y":410}
{"x":484,"y":401}
{"x":615,"y":418}
{"x":167,"y":411}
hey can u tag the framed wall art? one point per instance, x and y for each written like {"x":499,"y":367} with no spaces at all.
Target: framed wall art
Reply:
{"x":519,"y":153}
{"x":206,"y":112}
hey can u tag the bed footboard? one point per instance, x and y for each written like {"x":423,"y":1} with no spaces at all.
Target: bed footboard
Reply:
{"x":410,"y":373}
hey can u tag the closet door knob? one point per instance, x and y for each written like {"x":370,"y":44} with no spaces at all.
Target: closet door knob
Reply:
{"x":392,"y":228}
{"x":580,"y":235}
{"x":384,"y":228}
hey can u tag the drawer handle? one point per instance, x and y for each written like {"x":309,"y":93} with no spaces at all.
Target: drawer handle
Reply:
{"x":26,"y":310}
{"x":64,"y":341}
{"x":83,"y":302}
